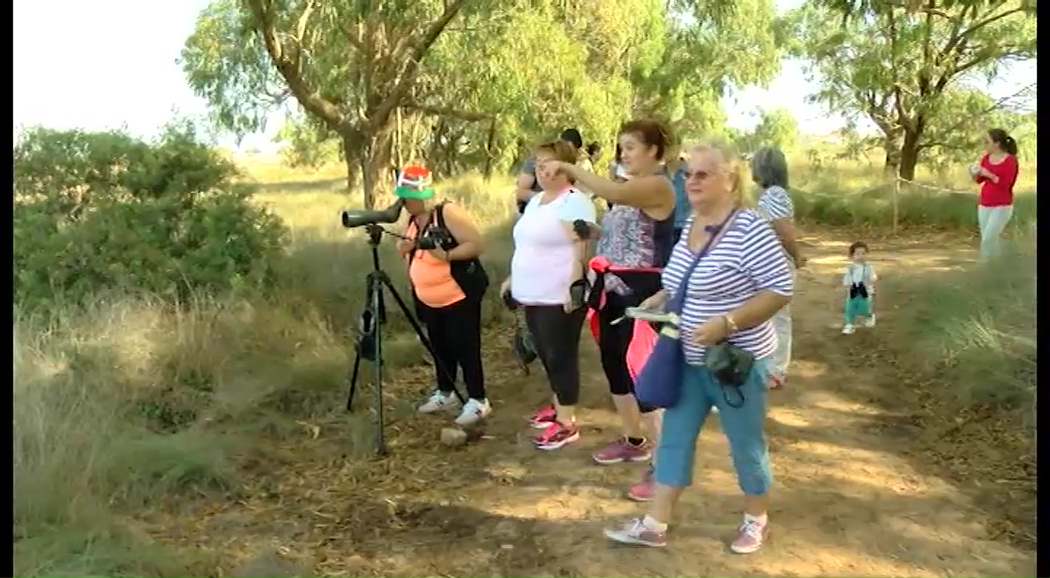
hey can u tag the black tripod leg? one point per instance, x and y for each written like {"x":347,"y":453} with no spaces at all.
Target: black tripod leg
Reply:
{"x":422,"y":337}
{"x":353,"y":381}
{"x":377,"y":301}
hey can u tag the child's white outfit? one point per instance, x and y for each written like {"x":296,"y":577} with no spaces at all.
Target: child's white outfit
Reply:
{"x":860,"y":280}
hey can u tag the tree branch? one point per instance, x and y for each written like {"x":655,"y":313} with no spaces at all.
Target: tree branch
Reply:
{"x":288,"y":66}
{"x":968,"y":119}
{"x":448,"y":112}
{"x":304,"y":19}
{"x":418,"y":51}
{"x":976,"y":27}
{"x":977,"y":61}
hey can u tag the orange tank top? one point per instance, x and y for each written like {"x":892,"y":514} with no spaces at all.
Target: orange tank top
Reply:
{"x":431,"y":277}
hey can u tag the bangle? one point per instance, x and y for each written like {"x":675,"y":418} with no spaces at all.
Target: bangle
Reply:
{"x":733,"y":327}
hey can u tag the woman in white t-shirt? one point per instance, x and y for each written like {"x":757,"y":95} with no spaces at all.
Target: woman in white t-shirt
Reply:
{"x":549,"y":250}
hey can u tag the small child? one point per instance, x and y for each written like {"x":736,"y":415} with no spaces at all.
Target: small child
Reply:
{"x":859,"y":281}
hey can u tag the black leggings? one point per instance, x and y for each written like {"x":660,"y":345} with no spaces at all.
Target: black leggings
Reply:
{"x":455,"y":333}
{"x":556,"y":335}
{"x":613,"y":341}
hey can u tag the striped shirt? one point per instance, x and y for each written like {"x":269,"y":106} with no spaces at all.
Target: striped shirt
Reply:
{"x":746,"y":260}
{"x":775,"y":203}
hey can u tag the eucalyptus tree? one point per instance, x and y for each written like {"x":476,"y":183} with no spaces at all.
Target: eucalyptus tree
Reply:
{"x":911,"y":67}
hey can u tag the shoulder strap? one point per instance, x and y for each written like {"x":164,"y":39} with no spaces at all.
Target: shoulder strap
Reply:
{"x":676,"y":301}
{"x":421,"y":230}
{"x":439,"y":214}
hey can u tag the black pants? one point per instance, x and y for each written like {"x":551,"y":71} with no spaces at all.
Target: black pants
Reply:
{"x":455,"y":333}
{"x":613,"y":341}
{"x":556,"y":335}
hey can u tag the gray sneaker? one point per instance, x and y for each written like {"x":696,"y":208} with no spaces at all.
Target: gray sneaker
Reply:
{"x":636,"y":533}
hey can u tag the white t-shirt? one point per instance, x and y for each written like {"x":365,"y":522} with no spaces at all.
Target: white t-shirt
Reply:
{"x":856,"y":273}
{"x":542,"y":265}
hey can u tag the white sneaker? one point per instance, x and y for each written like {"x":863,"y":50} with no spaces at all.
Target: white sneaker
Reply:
{"x":848,"y":329}
{"x":870,"y":321}
{"x":474,"y":411}
{"x":439,"y":401}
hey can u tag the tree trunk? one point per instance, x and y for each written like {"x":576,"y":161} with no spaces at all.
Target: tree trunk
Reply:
{"x":489,"y":145}
{"x":436,"y":134}
{"x":398,"y":141}
{"x":351,"y":148}
{"x":909,"y":155}
{"x":414,"y":138}
{"x":371,"y":158}
{"x":891,"y":146}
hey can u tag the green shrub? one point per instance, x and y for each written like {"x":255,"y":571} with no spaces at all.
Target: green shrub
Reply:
{"x":916,"y":207}
{"x":977,"y":328}
{"x":97,"y":212}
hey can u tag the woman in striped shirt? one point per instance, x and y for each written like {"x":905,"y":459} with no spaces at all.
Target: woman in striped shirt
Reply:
{"x":731,"y":294}
{"x":769,"y":170}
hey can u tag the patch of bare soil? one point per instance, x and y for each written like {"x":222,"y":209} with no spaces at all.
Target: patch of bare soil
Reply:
{"x":856,"y":493}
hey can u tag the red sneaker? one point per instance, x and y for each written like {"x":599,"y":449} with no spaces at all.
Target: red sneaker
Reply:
{"x":556,"y":436}
{"x":543,"y":417}
{"x":621,"y":450}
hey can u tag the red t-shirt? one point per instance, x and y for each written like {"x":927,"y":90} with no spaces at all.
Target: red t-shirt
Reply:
{"x":1002,"y":193}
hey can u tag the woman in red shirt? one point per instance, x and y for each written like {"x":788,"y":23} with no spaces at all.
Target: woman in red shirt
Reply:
{"x":996,"y":173}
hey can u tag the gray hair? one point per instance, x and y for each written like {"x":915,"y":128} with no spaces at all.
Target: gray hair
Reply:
{"x":769,"y":168}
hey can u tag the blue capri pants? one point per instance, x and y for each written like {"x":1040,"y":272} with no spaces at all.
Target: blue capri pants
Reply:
{"x":744,"y":426}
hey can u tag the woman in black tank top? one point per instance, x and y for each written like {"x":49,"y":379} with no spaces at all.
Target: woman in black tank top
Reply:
{"x":642,"y":147}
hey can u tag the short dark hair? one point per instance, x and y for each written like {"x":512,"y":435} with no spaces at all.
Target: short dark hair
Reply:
{"x":573,"y":137}
{"x":593,"y":149}
{"x":858,"y":245}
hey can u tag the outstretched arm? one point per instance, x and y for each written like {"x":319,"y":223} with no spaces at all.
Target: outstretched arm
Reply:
{"x":651,"y":193}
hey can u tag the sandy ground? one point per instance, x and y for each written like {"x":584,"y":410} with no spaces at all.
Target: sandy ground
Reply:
{"x":852,"y":497}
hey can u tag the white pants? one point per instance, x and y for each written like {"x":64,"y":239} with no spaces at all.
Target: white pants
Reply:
{"x":991,"y":222}
{"x":781,"y":358}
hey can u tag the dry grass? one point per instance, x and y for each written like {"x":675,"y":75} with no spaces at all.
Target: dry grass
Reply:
{"x":133,"y":401}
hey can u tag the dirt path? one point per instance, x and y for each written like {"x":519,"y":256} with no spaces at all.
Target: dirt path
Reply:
{"x":849,"y":499}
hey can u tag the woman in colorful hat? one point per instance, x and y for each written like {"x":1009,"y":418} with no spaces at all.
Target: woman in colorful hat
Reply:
{"x":442,"y":246}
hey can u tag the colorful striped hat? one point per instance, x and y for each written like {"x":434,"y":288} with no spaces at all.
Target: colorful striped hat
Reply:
{"x":414,"y":183}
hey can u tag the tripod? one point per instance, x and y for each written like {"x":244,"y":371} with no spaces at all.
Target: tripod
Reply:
{"x":370,"y":342}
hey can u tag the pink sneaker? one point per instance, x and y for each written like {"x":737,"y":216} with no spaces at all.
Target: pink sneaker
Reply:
{"x":543,"y":417}
{"x":643,"y":490}
{"x":556,"y":436}
{"x":750,"y":537}
{"x":620,"y":451}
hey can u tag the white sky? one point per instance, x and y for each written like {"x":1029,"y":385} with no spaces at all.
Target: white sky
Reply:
{"x":62,"y":81}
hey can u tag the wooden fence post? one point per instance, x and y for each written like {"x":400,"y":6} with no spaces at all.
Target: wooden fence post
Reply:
{"x":896,"y":199}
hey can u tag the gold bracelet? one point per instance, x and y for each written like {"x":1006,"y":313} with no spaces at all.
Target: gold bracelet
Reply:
{"x":733,"y":327}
